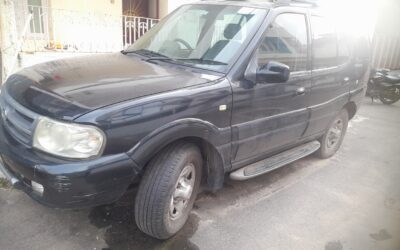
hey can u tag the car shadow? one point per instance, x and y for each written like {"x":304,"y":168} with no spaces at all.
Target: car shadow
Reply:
{"x":122,"y":232}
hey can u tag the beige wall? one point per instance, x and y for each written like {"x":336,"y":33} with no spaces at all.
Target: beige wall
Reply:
{"x":153,"y":8}
{"x":163,"y":5}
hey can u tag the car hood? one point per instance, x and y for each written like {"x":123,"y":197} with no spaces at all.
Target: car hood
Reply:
{"x":68,"y":88}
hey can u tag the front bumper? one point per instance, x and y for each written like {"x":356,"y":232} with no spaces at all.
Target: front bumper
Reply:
{"x":67,"y":184}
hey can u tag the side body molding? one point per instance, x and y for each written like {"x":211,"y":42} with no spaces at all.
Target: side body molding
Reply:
{"x":216,"y":145}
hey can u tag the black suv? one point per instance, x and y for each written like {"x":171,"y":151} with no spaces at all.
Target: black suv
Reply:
{"x":214,"y":88}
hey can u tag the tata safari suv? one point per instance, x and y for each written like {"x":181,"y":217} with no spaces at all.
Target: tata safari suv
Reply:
{"x":215,"y":90}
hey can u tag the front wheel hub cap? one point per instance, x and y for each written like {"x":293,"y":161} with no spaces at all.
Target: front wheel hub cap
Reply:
{"x":183,"y":191}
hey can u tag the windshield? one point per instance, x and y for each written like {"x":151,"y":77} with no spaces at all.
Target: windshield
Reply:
{"x":206,"y":36}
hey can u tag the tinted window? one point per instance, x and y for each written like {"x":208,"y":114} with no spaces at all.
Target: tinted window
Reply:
{"x":323,"y":43}
{"x":286,"y":42}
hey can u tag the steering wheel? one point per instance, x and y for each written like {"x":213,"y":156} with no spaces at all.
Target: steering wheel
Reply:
{"x":181,"y":41}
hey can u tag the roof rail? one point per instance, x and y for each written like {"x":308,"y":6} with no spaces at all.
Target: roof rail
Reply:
{"x":313,"y":3}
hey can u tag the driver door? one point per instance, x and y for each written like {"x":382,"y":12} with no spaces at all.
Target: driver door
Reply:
{"x":267,"y":116}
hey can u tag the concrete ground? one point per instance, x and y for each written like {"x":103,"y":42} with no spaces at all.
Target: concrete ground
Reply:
{"x":351,"y":201}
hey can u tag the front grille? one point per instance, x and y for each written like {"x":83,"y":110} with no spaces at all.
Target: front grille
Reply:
{"x":17,"y":120}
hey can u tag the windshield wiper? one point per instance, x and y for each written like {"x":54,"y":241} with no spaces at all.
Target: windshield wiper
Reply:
{"x":202,"y":61}
{"x":140,"y":52}
{"x":144,"y":52}
{"x":151,"y":55}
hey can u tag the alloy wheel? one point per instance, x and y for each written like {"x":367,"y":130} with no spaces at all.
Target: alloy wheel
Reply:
{"x":183,"y":192}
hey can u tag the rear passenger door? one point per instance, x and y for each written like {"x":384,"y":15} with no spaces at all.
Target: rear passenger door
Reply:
{"x":330,"y":75}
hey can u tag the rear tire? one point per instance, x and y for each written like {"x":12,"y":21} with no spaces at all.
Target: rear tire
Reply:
{"x":333,"y":137}
{"x":168,"y":190}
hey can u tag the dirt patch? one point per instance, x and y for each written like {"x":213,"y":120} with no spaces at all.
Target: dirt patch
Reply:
{"x":334,"y":245}
{"x":381,"y":235}
{"x":4,"y":183}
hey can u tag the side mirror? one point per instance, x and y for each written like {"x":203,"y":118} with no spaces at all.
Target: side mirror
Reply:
{"x":273,"y":72}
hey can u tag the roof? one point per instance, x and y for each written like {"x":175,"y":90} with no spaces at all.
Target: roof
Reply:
{"x":244,"y":3}
{"x":265,"y":4}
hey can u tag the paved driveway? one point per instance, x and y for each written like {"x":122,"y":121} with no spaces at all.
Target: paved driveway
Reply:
{"x":351,"y":201}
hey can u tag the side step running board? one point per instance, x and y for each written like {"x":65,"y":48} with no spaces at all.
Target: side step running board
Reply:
{"x":274,"y":162}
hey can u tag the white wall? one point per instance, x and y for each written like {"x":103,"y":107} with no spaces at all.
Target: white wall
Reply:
{"x":8,"y":38}
{"x":84,"y":25}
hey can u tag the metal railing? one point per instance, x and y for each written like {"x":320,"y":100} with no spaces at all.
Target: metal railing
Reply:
{"x":51,"y":29}
{"x":135,"y":27}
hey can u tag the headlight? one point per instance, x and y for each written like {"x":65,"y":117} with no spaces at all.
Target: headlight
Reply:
{"x":68,"y":139}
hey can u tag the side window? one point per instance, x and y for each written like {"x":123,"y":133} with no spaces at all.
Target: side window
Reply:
{"x":286,"y":42}
{"x":323,"y":43}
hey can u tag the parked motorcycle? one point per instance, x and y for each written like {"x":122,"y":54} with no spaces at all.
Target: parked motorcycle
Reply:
{"x":384,"y":85}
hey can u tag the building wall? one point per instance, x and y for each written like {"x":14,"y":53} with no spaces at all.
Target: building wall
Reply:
{"x":153,"y":13}
{"x":163,"y":8}
{"x":8,"y":39}
{"x":386,"y":39}
{"x":84,"y":25}
{"x":87,"y":24}
{"x":135,"y":8}
{"x":109,"y":7}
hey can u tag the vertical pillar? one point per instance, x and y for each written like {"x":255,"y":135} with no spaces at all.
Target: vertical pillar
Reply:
{"x":8,"y":38}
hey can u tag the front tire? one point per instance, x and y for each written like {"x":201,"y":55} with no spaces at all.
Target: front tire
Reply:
{"x":168,"y":190}
{"x":333,"y":137}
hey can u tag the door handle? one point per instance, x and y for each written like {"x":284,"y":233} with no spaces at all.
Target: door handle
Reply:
{"x":346,"y":79}
{"x":300,"y":91}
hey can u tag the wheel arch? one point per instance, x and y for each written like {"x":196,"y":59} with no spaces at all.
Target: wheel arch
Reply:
{"x":201,"y":133}
{"x":351,"y":109}
{"x":213,"y":170}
